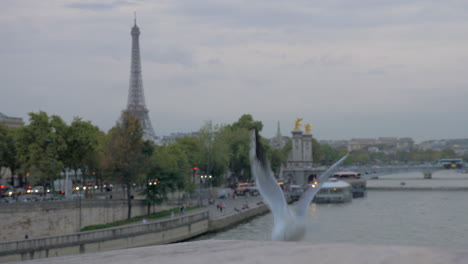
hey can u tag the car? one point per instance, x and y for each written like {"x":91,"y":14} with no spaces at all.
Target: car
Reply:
{"x":38,"y":190}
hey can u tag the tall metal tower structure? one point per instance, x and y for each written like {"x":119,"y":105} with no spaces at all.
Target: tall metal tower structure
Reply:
{"x":136,"y":99}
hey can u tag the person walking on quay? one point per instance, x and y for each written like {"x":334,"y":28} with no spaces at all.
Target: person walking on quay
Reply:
{"x":182,"y":209}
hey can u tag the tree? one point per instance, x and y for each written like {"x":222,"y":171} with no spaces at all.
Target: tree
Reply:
{"x":316,"y":150}
{"x":329,"y":154}
{"x":8,"y":152}
{"x":238,"y":137}
{"x":41,"y":147}
{"x":95,"y":161}
{"x":214,"y":152}
{"x":82,"y":142}
{"x":246,"y":122}
{"x":279,"y":157}
{"x":124,"y":154}
{"x":168,"y":172}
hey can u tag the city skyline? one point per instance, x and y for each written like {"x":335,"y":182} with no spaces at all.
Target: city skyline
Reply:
{"x":353,"y":70}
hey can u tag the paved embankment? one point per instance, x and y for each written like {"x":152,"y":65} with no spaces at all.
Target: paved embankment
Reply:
{"x":234,"y":252}
{"x":235,"y":211}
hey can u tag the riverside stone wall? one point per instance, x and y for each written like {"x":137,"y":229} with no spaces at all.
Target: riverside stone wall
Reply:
{"x":136,"y":235}
{"x":40,"y":219}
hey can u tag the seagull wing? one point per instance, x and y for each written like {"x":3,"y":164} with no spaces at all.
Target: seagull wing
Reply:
{"x":266,"y":182}
{"x":304,"y":203}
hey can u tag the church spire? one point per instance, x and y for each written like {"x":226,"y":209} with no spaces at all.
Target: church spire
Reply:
{"x":278,"y":131}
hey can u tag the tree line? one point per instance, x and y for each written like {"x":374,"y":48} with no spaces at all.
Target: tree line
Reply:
{"x":40,"y":152}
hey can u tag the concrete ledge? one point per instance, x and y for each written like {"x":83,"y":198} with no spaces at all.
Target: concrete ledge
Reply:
{"x":226,"y":252}
{"x":156,"y":232}
{"x":152,"y":233}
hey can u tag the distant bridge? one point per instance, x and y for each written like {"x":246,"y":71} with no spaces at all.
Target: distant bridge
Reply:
{"x":368,"y":172}
{"x":303,"y":175}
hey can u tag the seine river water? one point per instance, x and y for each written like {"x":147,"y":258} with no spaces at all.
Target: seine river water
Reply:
{"x":421,"y":218}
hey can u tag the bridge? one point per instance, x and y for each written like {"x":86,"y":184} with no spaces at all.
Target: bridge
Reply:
{"x":301,"y":176}
{"x":368,"y":172}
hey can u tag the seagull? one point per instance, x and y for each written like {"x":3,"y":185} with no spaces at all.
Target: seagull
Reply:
{"x":289,"y":225}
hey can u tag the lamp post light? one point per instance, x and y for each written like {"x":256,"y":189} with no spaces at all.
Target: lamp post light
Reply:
{"x":200,"y":202}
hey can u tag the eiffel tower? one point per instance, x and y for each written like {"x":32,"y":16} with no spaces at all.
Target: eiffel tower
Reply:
{"x":136,"y":99}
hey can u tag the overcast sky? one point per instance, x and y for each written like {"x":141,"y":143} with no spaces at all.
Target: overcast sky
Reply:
{"x":353,"y":69}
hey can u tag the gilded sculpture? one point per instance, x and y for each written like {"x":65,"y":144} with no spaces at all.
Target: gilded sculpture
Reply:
{"x":308,"y":128}
{"x":298,"y":124}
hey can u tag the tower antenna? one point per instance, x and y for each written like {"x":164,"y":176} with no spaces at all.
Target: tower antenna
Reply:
{"x":134,"y":13}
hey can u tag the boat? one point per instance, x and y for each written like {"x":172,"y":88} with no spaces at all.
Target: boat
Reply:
{"x":334,"y":191}
{"x":358,"y":185}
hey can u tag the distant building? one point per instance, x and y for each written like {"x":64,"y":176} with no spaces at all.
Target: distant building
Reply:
{"x":388,"y":144}
{"x":335,"y":143}
{"x":11,"y":122}
{"x":360,"y":143}
{"x":390,"y":141}
{"x":406,"y":144}
{"x":460,"y":146}
{"x":279,"y":141}
{"x":373,"y":149}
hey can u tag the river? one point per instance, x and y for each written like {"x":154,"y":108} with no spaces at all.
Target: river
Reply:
{"x":421,"y":218}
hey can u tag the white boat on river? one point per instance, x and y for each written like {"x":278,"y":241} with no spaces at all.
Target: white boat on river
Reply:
{"x":334,"y":191}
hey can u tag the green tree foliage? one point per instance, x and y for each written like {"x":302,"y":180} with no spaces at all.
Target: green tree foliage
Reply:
{"x":246,"y":122}
{"x":82,"y":143}
{"x":214,"y":152}
{"x":169,"y":171}
{"x":192,"y":148}
{"x":8,"y":152}
{"x":238,"y":138}
{"x":316,"y":150}
{"x":279,"y":157}
{"x":41,"y":147}
{"x":124,"y":154}
{"x":329,"y":154}
{"x":94,"y":161}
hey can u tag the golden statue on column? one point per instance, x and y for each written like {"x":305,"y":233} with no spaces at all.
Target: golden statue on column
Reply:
{"x":308,"y":128}
{"x":298,"y":124}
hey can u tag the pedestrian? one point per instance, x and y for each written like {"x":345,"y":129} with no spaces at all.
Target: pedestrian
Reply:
{"x":182,"y":209}
{"x":26,"y":236}
{"x":221,"y":205}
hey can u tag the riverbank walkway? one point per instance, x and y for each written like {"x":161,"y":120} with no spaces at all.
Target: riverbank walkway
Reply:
{"x":232,"y":206}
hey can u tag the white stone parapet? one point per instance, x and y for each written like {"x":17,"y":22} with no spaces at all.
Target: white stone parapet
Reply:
{"x":268,"y":252}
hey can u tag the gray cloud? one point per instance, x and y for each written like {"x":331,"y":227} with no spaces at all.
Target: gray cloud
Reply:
{"x":324,"y":14}
{"x":170,"y":55}
{"x":99,"y":5}
{"x":380,"y":68}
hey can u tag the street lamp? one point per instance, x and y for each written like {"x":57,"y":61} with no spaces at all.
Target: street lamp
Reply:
{"x":199,"y":190}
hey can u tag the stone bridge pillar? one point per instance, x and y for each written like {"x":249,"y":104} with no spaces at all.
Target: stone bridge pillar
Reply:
{"x":297,"y":151}
{"x":307,"y":150}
